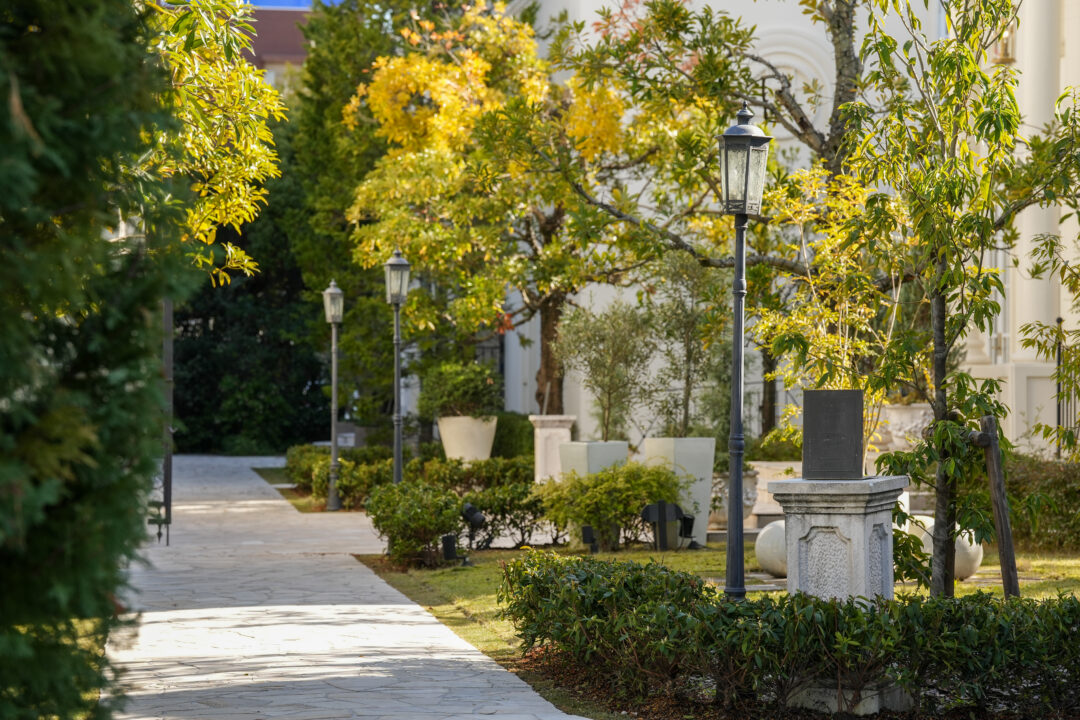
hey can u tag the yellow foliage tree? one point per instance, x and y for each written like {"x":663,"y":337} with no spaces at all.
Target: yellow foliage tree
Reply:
{"x":221,"y":144}
{"x":474,"y":222}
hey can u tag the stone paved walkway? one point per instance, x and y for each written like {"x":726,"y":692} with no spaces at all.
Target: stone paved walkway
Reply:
{"x":257,"y":612}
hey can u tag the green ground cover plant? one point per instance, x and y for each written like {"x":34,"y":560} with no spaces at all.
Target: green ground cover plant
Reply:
{"x":654,"y":627}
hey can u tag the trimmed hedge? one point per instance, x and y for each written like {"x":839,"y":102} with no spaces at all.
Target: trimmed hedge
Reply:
{"x":414,"y":516}
{"x":303,"y":461}
{"x":501,"y":488}
{"x":646,"y":629}
{"x":1056,"y":525}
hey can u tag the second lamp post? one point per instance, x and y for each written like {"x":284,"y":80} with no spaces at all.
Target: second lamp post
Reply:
{"x":334,"y":306}
{"x":744,"y":153}
{"x":397,"y":287}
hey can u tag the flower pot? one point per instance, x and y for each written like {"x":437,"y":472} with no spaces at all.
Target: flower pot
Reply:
{"x":693,"y":458}
{"x":590,"y":457}
{"x":467,"y":438}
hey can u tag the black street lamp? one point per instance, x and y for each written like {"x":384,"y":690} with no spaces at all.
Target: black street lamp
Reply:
{"x":397,"y":287}
{"x":744,"y":152}
{"x":334,"y":305}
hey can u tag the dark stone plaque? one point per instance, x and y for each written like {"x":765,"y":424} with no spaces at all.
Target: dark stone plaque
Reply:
{"x":832,"y":434}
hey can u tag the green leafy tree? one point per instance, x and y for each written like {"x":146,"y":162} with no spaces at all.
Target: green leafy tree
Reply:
{"x":687,"y":310}
{"x":222,"y":142}
{"x":330,"y":160}
{"x":611,"y":350}
{"x":80,"y":427}
{"x":247,"y":377}
{"x":947,"y":148}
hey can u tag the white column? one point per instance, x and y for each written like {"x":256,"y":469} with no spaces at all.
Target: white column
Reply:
{"x":1039,"y":62}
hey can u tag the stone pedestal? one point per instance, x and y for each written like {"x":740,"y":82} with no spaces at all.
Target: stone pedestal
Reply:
{"x":839,"y":535}
{"x":549,"y":432}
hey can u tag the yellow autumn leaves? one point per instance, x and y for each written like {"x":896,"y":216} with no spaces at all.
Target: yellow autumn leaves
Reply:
{"x":431,"y":99}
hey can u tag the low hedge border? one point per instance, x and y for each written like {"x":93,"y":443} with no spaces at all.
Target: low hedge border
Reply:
{"x":648,"y":629}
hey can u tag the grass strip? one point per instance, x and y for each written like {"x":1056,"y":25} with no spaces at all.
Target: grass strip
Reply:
{"x":302,"y":501}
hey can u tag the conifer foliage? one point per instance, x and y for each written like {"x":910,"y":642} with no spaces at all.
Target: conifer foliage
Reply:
{"x":80,"y":395}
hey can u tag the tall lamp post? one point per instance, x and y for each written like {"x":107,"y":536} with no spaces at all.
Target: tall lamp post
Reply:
{"x":744,"y":151}
{"x":334,"y":305}
{"x":397,"y":287}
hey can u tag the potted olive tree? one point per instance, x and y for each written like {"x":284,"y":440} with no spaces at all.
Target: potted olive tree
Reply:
{"x":679,"y":314}
{"x":463,"y":399}
{"x":611,"y":350}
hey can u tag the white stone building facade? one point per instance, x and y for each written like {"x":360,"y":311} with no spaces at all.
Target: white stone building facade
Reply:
{"x":1047,"y":64}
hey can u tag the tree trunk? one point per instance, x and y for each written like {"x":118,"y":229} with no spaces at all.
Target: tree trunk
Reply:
{"x":549,"y":377}
{"x":941,"y":578}
{"x":768,"y":392}
{"x":840,"y":19}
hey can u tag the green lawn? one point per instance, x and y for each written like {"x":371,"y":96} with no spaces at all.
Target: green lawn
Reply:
{"x":302,"y":501}
{"x":464,"y":599}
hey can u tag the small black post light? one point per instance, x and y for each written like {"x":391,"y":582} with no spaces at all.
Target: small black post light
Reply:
{"x":588,"y":538}
{"x":397,"y":288}
{"x":334,"y":306}
{"x":449,"y":549}
{"x":744,"y":153}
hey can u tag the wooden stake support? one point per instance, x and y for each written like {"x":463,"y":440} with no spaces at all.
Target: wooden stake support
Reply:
{"x":987,"y":439}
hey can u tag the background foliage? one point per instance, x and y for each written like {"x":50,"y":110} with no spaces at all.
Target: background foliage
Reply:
{"x":248,"y":380}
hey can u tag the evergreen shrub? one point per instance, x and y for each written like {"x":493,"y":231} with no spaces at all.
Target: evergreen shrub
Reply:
{"x":1056,"y":524}
{"x":413,"y":516}
{"x":610,"y":500}
{"x":514,"y":435}
{"x":648,"y":629}
{"x":80,"y":341}
{"x":450,"y":389}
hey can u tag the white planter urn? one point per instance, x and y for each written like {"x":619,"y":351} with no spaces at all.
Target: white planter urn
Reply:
{"x":692,"y":458}
{"x":590,"y":457}
{"x":467,"y":438}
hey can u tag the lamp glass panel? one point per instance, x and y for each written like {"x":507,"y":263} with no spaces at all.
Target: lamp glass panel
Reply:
{"x":736,"y":155}
{"x":755,"y":184}
{"x":334,"y":305}
{"x":397,"y":283}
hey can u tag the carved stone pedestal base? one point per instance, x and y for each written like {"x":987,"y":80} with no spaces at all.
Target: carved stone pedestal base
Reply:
{"x":872,"y":700}
{"x":839,"y":535}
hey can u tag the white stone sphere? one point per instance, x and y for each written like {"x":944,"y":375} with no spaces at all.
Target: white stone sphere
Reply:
{"x":969,"y":554}
{"x":770,"y":549}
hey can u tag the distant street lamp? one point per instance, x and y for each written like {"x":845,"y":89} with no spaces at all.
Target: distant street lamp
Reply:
{"x":397,"y":287}
{"x":334,"y":305}
{"x":744,"y":152}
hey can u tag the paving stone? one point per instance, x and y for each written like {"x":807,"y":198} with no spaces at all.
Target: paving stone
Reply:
{"x":258,"y":612}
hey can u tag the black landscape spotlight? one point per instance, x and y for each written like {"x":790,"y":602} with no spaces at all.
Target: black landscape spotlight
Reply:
{"x":475,"y":520}
{"x":744,"y":153}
